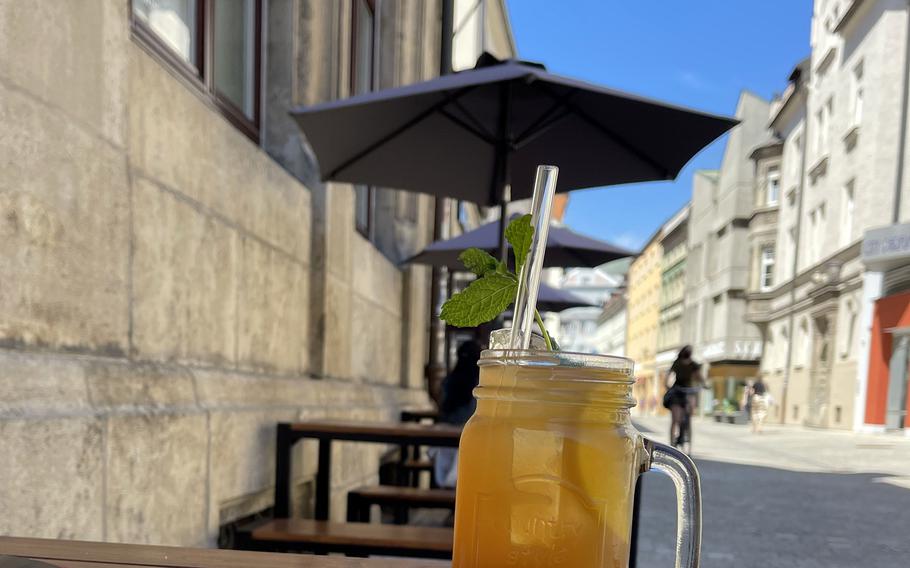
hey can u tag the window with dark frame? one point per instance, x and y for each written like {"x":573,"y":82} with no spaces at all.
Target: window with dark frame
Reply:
{"x":363,"y":30}
{"x":215,"y":45}
{"x":766,"y":268}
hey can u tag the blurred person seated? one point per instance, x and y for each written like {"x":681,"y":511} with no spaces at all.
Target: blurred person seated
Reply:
{"x":457,"y":404}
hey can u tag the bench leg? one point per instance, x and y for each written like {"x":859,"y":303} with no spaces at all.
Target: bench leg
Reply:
{"x":402,"y":514}
{"x":323,"y":477}
{"x":402,"y":474}
{"x":282,"y":496}
{"x":358,"y":511}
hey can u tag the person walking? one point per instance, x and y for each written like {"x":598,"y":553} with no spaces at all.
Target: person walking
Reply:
{"x":760,"y":399}
{"x":746,"y":402}
{"x":683,"y":381}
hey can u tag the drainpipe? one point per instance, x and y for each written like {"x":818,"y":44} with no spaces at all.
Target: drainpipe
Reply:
{"x":902,"y":140}
{"x":799,"y":222}
{"x":436,"y":369}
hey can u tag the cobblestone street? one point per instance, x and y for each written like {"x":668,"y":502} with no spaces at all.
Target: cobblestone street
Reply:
{"x":791,"y":497}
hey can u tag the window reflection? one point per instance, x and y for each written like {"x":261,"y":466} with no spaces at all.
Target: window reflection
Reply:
{"x":234,"y":53}
{"x":174,"y":22}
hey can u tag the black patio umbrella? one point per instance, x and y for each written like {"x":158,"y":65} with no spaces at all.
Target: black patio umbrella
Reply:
{"x":551,"y":299}
{"x":472,"y":134}
{"x":565,"y":248}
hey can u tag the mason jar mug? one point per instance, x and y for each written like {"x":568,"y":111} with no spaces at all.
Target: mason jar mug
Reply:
{"x":548,"y":465}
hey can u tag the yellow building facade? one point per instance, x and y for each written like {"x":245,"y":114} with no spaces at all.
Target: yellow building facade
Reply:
{"x":643,"y":324}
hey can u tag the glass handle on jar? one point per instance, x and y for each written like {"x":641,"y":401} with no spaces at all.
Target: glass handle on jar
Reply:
{"x":682,"y":471}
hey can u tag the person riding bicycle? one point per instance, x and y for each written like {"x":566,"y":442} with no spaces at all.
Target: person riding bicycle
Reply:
{"x":683,"y":380}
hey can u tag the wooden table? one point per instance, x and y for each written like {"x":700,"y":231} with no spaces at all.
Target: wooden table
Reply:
{"x":410,"y":434}
{"x":76,"y":554}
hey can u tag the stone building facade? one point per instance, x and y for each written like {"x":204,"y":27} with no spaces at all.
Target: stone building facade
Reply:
{"x":717,"y":271}
{"x":175,"y":277}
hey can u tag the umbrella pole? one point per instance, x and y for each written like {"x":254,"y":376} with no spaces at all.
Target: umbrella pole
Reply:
{"x":503,"y":251}
{"x":440,"y":279}
{"x":503,"y":149}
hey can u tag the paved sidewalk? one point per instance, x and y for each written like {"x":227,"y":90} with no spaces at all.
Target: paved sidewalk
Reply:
{"x":790,"y":497}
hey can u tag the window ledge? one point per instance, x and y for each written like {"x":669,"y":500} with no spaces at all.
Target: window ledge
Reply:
{"x":825,"y":61}
{"x":847,"y":16}
{"x":819,"y":167}
{"x":791,"y":193}
{"x":765,"y":208}
{"x":850,"y":136}
{"x":851,"y":132}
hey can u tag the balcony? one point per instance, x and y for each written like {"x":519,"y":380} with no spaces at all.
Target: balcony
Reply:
{"x":763,"y":217}
{"x":758,"y":307}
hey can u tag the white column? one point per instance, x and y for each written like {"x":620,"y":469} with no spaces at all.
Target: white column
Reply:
{"x":872,"y":291}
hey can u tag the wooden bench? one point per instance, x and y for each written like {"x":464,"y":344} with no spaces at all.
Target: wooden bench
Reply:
{"x":411,"y":469}
{"x":329,"y":431}
{"x":356,"y":539}
{"x":401,"y":498}
{"x":320,"y":535}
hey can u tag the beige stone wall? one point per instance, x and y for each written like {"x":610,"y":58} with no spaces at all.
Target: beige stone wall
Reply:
{"x":797,"y":396}
{"x":843,"y":394}
{"x":157,"y":297}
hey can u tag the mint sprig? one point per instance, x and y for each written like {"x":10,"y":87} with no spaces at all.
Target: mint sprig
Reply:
{"x":478,"y":261}
{"x":496,"y":286}
{"x":483,"y":300}
{"x":520,"y":233}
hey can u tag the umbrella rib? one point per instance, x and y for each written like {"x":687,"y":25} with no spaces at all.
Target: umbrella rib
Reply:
{"x":482,"y":135}
{"x":543,"y":123}
{"x":610,"y":134}
{"x":543,"y":128}
{"x":473,"y":119}
{"x":401,"y":129}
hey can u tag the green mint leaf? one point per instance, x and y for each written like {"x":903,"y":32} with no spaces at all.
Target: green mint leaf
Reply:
{"x":519,"y":234}
{"x":478,"y":261}
{"x":503,"y":270}
{"x":483,"y":300}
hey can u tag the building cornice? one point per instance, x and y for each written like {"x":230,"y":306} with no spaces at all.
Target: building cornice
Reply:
{"x":797,"y":96}
{"x":842,"y":256}
{"x":829,"y":284}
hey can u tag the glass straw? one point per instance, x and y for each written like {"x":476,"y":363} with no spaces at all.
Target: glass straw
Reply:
{"x":529,"y":279}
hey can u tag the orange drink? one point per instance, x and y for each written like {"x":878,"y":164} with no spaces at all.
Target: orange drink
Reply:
{"x":548,"y":463}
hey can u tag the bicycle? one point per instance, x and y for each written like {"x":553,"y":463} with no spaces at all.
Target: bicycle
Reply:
{"x":683,"y":440}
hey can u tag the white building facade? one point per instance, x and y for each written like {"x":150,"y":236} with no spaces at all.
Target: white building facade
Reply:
{"x":578,"y":327}
{"x":840,"y":123}
{"x":611,"y":326}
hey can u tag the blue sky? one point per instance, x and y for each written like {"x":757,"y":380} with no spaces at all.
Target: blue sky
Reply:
{"x":698,"y":53}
